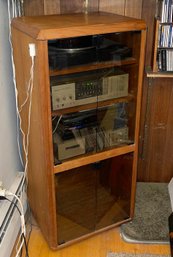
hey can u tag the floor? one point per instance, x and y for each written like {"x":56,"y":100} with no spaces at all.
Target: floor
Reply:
{"x":96,"y":246}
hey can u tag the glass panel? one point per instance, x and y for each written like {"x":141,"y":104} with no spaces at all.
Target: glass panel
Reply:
{"x":74,"y":134}
{"x":94,"y":81}
{"x":114,"y":178}
{"x":93,"y":196}
{"x":76,"y":203}
{"x":92,"y":131}
{"x":73,"y":52}
{"x":113,"y":129}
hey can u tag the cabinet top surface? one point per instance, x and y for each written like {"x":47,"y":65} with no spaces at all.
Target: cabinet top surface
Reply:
{"x":73,"y":25}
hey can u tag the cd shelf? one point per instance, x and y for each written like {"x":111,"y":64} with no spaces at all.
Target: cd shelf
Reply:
{"x":163,"y":49}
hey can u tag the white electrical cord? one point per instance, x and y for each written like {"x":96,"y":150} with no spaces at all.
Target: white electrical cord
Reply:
{"x":57,"y":124}
{"x":14,"y":79}
{"x":28,"y":97}
{"x":14,"y":10}
{"x":8,"y":193}
{"x":26,"y":136}
{"x":85,"y":6}
{"x":5,"y":193}
{"x":23,"y":227}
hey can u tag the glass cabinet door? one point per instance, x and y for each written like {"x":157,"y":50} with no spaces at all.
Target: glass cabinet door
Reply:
{"x":93,"y":196}
{"x":94,"y":86}
{"x":93,"y":83}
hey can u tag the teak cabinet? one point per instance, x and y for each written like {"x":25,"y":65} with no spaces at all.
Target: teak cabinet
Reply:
{"x":84,"y":122}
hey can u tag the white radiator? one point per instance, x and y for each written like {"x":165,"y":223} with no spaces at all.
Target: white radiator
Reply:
{"x":10,"y":219}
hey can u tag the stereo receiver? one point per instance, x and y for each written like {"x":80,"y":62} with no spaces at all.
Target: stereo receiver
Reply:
{"x":84,"y":90}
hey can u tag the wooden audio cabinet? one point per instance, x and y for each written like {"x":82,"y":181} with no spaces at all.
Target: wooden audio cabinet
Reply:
{"x":84,"y":123}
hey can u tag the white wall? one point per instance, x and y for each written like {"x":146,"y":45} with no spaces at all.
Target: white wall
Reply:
{"x":9,"y":157}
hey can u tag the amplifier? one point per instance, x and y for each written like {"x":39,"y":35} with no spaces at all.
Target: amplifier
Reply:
{"x":69,"y":148}
{"x":79,"y":92}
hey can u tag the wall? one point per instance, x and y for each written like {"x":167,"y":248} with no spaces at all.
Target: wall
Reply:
{"x":9,"y":158}
{"x":130,"y":8}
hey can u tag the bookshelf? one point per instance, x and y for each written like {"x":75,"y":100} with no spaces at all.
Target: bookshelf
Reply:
{"x":163,"y":49}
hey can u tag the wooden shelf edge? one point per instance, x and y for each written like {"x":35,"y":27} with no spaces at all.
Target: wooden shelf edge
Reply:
{"x":159,"y":75}
{"x":96,"y":232}
{"x":93,"y":66}
{"x":100,"y":104}
{"x":93,"y":233}
{"x":155,"y":46}
{"x":84,"y":160}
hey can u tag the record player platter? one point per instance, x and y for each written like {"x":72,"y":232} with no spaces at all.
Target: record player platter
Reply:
{"x":69,"y":52}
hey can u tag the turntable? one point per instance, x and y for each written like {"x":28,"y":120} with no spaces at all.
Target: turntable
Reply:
{"x":65,"y":53}
{"x":69,"y":52}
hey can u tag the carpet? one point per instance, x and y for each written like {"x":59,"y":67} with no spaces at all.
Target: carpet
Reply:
{"x":152,"y":209}
{"x":135,"y":255}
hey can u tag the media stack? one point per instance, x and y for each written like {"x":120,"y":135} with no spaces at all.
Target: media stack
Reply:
{"x":165,"y":35}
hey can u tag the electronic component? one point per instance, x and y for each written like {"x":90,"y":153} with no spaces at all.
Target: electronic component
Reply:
{"x":79,"y":91}
{"x":69,"y":148}
{"x":65,"y":53}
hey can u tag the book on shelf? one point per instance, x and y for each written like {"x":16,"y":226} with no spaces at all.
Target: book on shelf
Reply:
{"x":165,"y":35}
{"x":165,"y":60}
{"x":165,"y":11}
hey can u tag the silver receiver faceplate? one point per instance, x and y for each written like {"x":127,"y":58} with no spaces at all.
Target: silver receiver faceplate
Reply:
{"x":89,"y":91}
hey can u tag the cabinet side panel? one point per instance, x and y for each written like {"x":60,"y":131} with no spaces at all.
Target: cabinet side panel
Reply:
{"x":138,"y":112}
{"x":157,"y":159}
{"x":112,"y":6}
{"x":133,"y":8}
{"x":40,"y":163}
{"x":148,"y":14}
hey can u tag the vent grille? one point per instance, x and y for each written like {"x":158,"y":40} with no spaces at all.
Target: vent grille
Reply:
{"x":9,"y":216}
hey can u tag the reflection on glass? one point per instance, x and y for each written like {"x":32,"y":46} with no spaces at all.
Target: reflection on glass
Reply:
{"x":91,"y":131}
{"x":88,"y":87}
{"x":72,"y":52}
{"x":93,"y":93}
{"x":93,"y":197}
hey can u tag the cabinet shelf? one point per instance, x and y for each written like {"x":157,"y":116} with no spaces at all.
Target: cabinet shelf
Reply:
{"x":165,"y":23}
{"x":95,"y":157}
{"x":162,"y":59}
{"x":93,"y":66}
{"x":164,"y":47}
{"x":110,"y":102}
{"x":159,"y":74}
